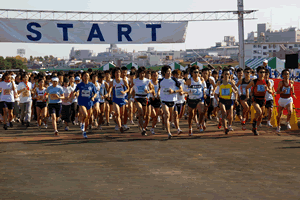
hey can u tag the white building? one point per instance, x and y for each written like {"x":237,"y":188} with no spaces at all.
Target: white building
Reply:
{"x":265,"y":49}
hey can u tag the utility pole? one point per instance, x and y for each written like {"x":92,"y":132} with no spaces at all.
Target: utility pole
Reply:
{"x":241,"y":34}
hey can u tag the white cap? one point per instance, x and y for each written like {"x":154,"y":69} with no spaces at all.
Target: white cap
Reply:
{"x":266,"y":61}
{"x":55,"y":79}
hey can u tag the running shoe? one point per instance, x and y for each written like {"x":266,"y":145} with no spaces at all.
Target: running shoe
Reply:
{"x":201,"y":130}
{"x":288,"y":126}
{"x":11,"y":124}
{"x":39,"y":127}
{"x":226,"y":131}
{"x":255,"y":132}
{"x":220,"y":124}
{"x":73,"y":122}
{"x":90,"y":127}
{"x":230,"y":128}
{"x":45,"y":126}
{"x":99,"y":127}
{"x":84,"y":135}
{"x":125,"y":127}
{"x":204,"y":126}
{"x":122,"y":129}
{"x":179,"y":131}
{"x":191,"y":132}
{"x":82,"y":126}
{"x":107,"y":124}
{"x":116,"y":128}
{"x":67,"y":128}
{"x":170,"y":135}
{"x":152,"y":131}
{"x":278,"y":129}
{"x":132,"y":123}
{"x":173,"y":125}
{"x":260,"y":125}
{"x":56,"y":133}
{"x":5,"y":127}
{"x":144,"y":132}
{"x":27,"y":124}
{"x":269,"y":124}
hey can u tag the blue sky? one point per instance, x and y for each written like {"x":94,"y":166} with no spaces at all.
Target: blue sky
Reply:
{"x":199,"y":34}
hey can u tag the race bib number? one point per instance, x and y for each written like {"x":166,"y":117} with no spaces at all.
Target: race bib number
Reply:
{"x":226,"y":92}
{"x":40,"y":97}
{"x":53,"y":96}
{"x":244,"y":91}
{"x":166,"y":90}
{"x":7,"y":92}
{"x":26,"y":93}
{"x":118,"y":92}
{"x":196,"y":91}
{"x":261,"y":88}
{"x":141,"y":89}
{"x":85,"y":93}
{"x":288,"y":90}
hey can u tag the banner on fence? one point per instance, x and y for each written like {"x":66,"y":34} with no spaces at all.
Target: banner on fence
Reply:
{"x":56,"y":31}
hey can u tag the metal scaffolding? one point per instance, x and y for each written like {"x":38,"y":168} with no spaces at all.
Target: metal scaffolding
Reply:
{"x":125,"y":16}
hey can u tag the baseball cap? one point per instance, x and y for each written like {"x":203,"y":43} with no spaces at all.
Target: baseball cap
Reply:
{"x":55,"y":79}
{"x":266,"y":61}
{"x":77,"y":78}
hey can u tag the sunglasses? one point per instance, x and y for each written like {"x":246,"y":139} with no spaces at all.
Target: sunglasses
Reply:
{"x":227,"y":74}
{"x":262,"y":72}
{"x":196,"y":72}
{"x":247,"y":72}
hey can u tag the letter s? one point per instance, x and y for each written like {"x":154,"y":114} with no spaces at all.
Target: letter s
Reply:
{"x":38,"y":34}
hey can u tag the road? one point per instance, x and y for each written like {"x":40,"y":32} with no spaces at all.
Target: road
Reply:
{"x":110,"y":165}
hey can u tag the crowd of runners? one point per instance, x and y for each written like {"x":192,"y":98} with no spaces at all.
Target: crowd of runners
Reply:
{"x":90,"y":99}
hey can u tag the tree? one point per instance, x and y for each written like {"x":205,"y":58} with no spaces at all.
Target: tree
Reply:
{"x":46,"y":58}
{"x":31,"y":59}
{"x":2,"y":63}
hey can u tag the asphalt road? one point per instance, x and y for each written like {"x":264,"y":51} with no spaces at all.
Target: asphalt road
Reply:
{"x":110,"y":165}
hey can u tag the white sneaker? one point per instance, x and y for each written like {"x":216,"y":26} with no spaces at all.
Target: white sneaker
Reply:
{"x":126,"y":128}
{"x":278,"y":129}
{"x":173,"y":125}
{"x":260,"y":125}
{"x":288,"y":126}
{"x":67,"y":128}
{"x":132,"y":123}
{"x":116,"y":127}
{"x":269,"y":124}
{"x":99,"y":127}
{"x":230,"y":128}
{"x":45,"y":125}
{"x":179,"y":131}
{"x":152,"y":131}
{"x":110,"y":116}
{"x":170,"y":136}
{"x":158,"y":119}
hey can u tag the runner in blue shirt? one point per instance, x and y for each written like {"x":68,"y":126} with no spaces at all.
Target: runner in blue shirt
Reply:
{"x":55,"y":95}
{"x":86,"y":92}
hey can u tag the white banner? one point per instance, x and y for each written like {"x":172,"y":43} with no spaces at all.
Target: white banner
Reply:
{"x":47,"y":31}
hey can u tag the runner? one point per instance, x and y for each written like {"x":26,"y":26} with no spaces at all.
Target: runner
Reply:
{"x":24,"y":89}
{"x":41,"y":104}
{"x":74,"y":105}
{"x":86,"y":93}
{"x":55,"y":93}
{"x":154,"y":101}
{"x":66,"y":103}
{"x":109,"y":103}
{"x":126,"y":109}
{"x":117,"y":88}
{"x":9,"y":92}
{"x":240,"y":76}
{"x":245,"y":102}
{"x":269,"y":99}
{"x":210,"y":85}
{"x":259,"y":87}
{"x":286,"y":91}
{"x":197,"y":94}
{"x":180,"y":103}
{"x":141,"y":88}
{"x":96,"y":103}
{"x":167,"y":92}
{"x":103,"y":95}
{"x":224,"y":90}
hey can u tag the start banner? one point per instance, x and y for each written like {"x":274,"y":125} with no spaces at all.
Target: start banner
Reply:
{"x":84,"y":32}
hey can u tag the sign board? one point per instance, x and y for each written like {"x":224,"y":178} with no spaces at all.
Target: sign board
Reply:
{"x":59,"y":31}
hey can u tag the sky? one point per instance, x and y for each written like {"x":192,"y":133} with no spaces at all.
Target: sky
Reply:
{"x":281,"y":14}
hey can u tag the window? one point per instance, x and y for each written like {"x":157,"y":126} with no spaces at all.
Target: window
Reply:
{"x":259,"y":51}
{"x":270,"y":50}
{"x":164,"y":54}
{"x":264,"y":47}
{"x":290,"y":47}
{"x":171,"y":54}
{"x":264,"y":53}
{"x":270,"y":46}
{"x":254,"y":46}
{"x":259,"y":46}
{"x":254,"y":56}
{"x":296,"y":45}
{"x":159,"y":54}
{"x":274,"y":50}
{"x":259,"y":57}
{"x":254,"y":51}
{"x":274,"y":46}
{"x":285,"y":45}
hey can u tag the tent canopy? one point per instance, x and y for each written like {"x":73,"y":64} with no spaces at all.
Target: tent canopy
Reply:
{"x":132,"y":65}
{"x":107,"y":66}
{"x":175,"y":65}
{"x":198,"y":64}
{"x":273,"y":62}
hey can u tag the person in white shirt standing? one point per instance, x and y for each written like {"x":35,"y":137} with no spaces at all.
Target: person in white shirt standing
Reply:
{"x":66,"y":103}
{"x":8,"y":94}
{"x":24,"y":90}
